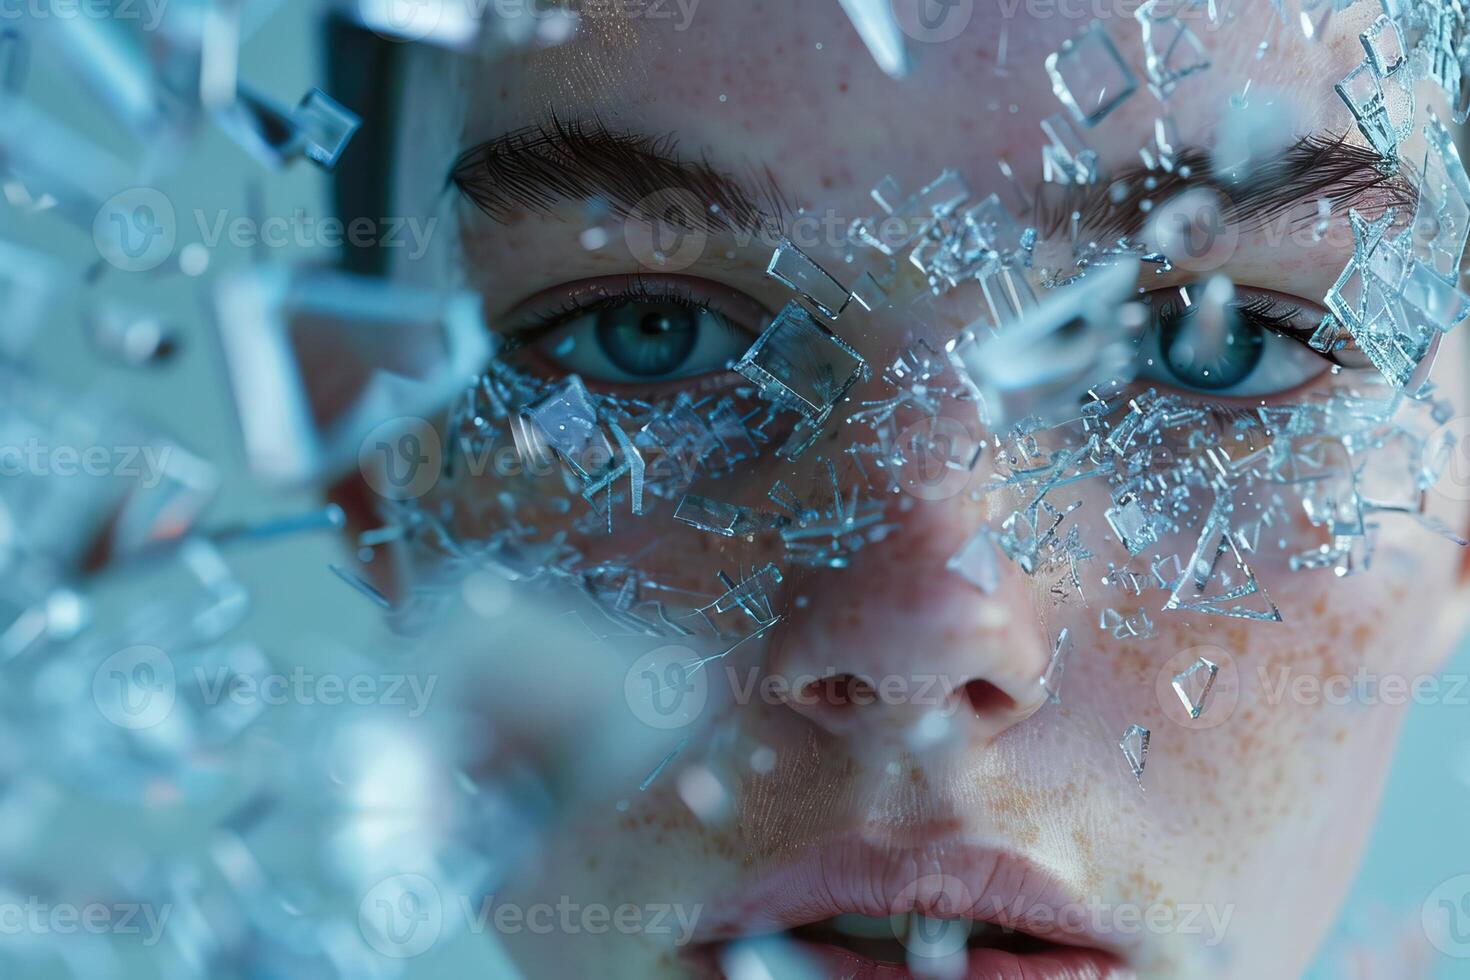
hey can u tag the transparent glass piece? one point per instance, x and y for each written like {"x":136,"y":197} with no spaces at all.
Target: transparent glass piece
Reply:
{"x":1137,"y":626}
{"x":1008,"y":294}
{"x":1134,"y":744}
{"x":1045,"y":363}
{"x":867,"y":292}
{"x":317,"y":360}
{"x":791,"y":267}
{"x":1221,"y":588}
{"x":1051,"y":680}
{"x":993,"y":227}
{"x":1194,"y":685}
{"x":1384,"y":42}
{"x":446,"y":23}
{"x":326,"y":127}
{"x":1363,"y":94}
{"x":751,"y":594}
{"x":15,"y":56}
{"x":976,"y":562}
{"x":29,"y":283}
{"x":109,"y":59}
{"x":1089,"y":76}
{"x":129,"y":337}
{"x":726,"y":520}
{"x":565,"y":424}
{"x":1134,"y":526}
{"x":1439,"y":302}
{"x":879,"y":28}
{"x":1066,"y":159}
{"x":798,"y":364}
{"x":48,"y":159}
{"x":1442,"y":214}
{"x":1171,"y":50}
{"x":677,"y":443}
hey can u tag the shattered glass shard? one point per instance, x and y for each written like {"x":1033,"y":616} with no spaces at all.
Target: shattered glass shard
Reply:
{"x":726,"y":520}
{"x":1442,"y":214}
{"x":1134,"y":744}
{"x":1362,"y":91}
{"x":795,"y":270}
{"x":1051,"y":680}
{"x":751,"y":594}
{"x":1089,"y":76}
{"x":564,"y":423}
{"x":1384,"y":42}
{"x":976,"y":563}
{"x":326,"y":127}
{"x":1066,"y":159}
{"x":1221,"y":588}
{"x":1193,"y":686}
{"x":1134,"y":526}
{"x":797,"y":364}
{"x":1171,"y":50}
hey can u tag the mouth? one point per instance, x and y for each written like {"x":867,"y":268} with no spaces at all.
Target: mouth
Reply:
{"x":947,"y":911}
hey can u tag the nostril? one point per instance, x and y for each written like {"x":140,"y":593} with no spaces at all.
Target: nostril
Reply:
{"x":987,"y":699}
{"x":839,"y":691}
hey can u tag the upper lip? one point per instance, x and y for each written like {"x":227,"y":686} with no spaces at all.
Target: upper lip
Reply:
{"x":942,"y":880}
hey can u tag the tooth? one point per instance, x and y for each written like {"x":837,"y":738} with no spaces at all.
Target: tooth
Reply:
{"x":937,"y":947}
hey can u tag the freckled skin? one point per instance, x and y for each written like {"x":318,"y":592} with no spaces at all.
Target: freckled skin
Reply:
{"x":1261,"y":816}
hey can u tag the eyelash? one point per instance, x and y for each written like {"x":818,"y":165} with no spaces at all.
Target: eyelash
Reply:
{"x":541,"y":323}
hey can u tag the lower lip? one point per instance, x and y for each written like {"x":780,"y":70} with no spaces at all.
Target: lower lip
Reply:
{"x":1062,"y":963}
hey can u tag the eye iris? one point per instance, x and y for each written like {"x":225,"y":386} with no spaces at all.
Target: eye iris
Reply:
{"x":1211,"y":362}
{"x":647,"y":339}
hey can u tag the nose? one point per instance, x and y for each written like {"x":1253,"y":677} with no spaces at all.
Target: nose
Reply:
{"x":897,"y":640}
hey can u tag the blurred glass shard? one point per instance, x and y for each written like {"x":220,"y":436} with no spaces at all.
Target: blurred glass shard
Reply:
{"x":317,"y":359}
{"x":129,"y":337}
{"x":565,"y":424}
{"x":108,"y":58}
{"x":1043,"y":364}
{"x":878,"y":26}
{"x":445,"y":23}
{"x":326,"y":127}
{"x":976,"y":563}
{"x":29,"y":282}
{"x":795,"y":270}
{"x":319,"y":128}
{"x":1193,"y":686}
{"x":1171,"y":50}
{"x":47,"y":158}
{"x":1089,"y":76}
{"x":798,"y":364}
{"x":15,"y":55}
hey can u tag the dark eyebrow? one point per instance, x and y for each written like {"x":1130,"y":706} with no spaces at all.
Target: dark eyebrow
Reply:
{"x":634,"y":174}
{"x":1320,"y":165}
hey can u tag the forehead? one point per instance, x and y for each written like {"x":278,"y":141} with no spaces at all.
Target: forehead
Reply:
{"x":794,"y":87}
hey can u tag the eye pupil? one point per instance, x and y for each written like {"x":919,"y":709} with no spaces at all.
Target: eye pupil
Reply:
{"x":1197,"y":358}
{"x":648,"y":338}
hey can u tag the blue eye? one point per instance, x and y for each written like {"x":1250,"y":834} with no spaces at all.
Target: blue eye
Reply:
{"x":643,"y":339}
{"x":1252,"y":346}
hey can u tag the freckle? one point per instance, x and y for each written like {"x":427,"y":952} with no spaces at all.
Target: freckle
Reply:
{"x":842,"y":87}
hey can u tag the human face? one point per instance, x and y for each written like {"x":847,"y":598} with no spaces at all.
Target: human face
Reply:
{"x":838,"y":793}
